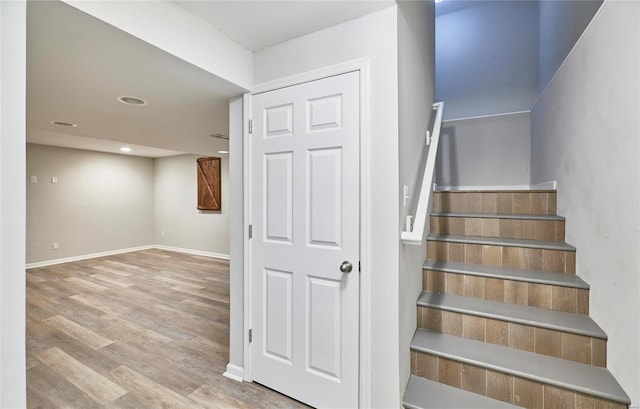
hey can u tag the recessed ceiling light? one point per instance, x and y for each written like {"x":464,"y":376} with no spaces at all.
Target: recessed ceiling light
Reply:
{"x":63,"y":123}
{"x":125,"y":149}
{"x":223,"y":151}
{"x":132,"y":100}
{"x":438,"y":1}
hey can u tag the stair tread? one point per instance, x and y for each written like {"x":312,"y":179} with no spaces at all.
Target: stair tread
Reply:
{"x":521,"y":314}
{"x":423,"y":393}
{"x":582,"y":378}
{"x":500,"y":216}
{"x":500,"y":241}
{"x":506,"y":273}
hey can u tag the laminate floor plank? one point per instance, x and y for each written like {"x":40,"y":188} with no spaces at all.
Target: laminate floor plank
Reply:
{"x":101,"y":389}
{"x":148,"y":329}
{"x":82,"y":334}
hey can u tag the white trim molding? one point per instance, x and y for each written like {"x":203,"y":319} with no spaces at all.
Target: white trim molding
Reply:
{"x":361,"y":65}
{"x":551,"y":185}
{"x":63,"y":260}
{"x":489,"y":116}
{"x":235,"y":372}
{"x":86,"y":256}
{"x":193,"y":252}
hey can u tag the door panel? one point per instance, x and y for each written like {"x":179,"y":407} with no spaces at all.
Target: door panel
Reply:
{"x":304,"y":154}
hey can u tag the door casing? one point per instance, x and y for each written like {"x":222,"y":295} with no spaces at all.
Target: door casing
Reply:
{"x":361,"y":66}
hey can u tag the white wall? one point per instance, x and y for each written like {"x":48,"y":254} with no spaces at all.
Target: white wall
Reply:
{"x":171,"y":28}
{"x":13,"y":20}
{"x":585,"y":134}
{"x":373,"y":36}
{"x":102,"y":202}
{"x":492,"y":151}
{"x":561,"y":24}
{"x":416,"y":88}
{"x":236,"y":238}
{"x":487,"y":58}
{"x":178,"y":222}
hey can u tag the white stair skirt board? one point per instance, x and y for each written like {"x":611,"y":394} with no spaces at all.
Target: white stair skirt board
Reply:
{"x":121,"y":251}
{"x":551,"y":185}
{"x":235,"y":372}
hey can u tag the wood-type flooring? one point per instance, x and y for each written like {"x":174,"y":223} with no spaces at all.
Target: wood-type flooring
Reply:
{"x":148,"y":329}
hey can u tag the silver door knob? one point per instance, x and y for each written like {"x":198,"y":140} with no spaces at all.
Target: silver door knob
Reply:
{"x":346,"y":267}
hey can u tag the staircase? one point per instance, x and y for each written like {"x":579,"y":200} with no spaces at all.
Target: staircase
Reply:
{"x":503,"y":319}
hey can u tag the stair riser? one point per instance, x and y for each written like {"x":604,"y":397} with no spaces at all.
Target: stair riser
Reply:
{"x":577,"y":348}
{"x":560,"y":261}
{"x":547,"y":230}
{"x":550,"y":297}
{"x":538,"y":203}
{"x":502,"y":386}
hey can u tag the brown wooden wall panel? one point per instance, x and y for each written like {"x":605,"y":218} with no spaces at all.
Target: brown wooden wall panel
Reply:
{"x":209,"y":184}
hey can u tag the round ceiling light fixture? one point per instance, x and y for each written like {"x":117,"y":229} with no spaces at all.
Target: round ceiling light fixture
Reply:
{"x":64,"y":123}
{"x":129,"y":100}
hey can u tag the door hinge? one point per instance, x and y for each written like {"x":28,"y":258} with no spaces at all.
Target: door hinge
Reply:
{"x":251,"y":231}
{"x":250,"y":125}
{"x":250,"y":335}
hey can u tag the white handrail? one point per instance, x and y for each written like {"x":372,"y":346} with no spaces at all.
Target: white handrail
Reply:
{"x":416,"y":235}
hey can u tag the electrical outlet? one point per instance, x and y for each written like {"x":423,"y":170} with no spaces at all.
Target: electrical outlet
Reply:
{"x":54,"y":179}
{"x":162,"y":233}
{"x":34,"y":179}
{"x":55,"y":245}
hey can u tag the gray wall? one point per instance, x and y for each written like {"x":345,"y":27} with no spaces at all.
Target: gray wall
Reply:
{"x":176,"y":215}
{"x":561,"y":24}
{"x":102,"y":202}
{"x":485,"y":151}
{"x":586,"y":134}
{"x":416,"y":86}
{"x":487,"y":59}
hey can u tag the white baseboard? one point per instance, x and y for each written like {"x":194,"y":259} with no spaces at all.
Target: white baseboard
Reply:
{"x":539,"y":186}
{"x":194,"y":252}
{"x":234,"y":372}
{"x":85,"y":257}
{"x":121,"y":251}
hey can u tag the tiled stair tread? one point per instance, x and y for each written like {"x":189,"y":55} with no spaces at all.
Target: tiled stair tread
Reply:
{"x":587,"y":379}
{"x":500,"y":216}
{"x":504,"y":273}
{"x":499,"y":241}
{"x":521,"y":314}
{"x":422,"y":393}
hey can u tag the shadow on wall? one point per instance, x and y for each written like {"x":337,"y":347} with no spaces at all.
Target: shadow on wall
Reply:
{"x":447,"y":169}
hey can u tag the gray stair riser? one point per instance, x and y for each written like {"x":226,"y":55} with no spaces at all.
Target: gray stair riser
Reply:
{"x":504,"y":256}
{"x":503,"y":386}
{"x":537,"y":202}
{"x":555,"y":343}
{"x":552,"y":297}
{"x":548,"y":230}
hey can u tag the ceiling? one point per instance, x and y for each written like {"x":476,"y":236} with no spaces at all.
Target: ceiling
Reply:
{"x":77,"y":67}
{"x":259,"y":24}
{"x":450,"y":6}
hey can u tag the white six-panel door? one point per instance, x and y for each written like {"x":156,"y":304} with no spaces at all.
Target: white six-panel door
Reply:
{"x":304,"y":153}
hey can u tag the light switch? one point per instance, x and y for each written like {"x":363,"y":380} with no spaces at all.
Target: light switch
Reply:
{"x":34,"y":179}
{"x":54,"y":179}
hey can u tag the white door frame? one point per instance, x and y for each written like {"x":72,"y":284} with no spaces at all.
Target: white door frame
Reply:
{"x":362,"y":66}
